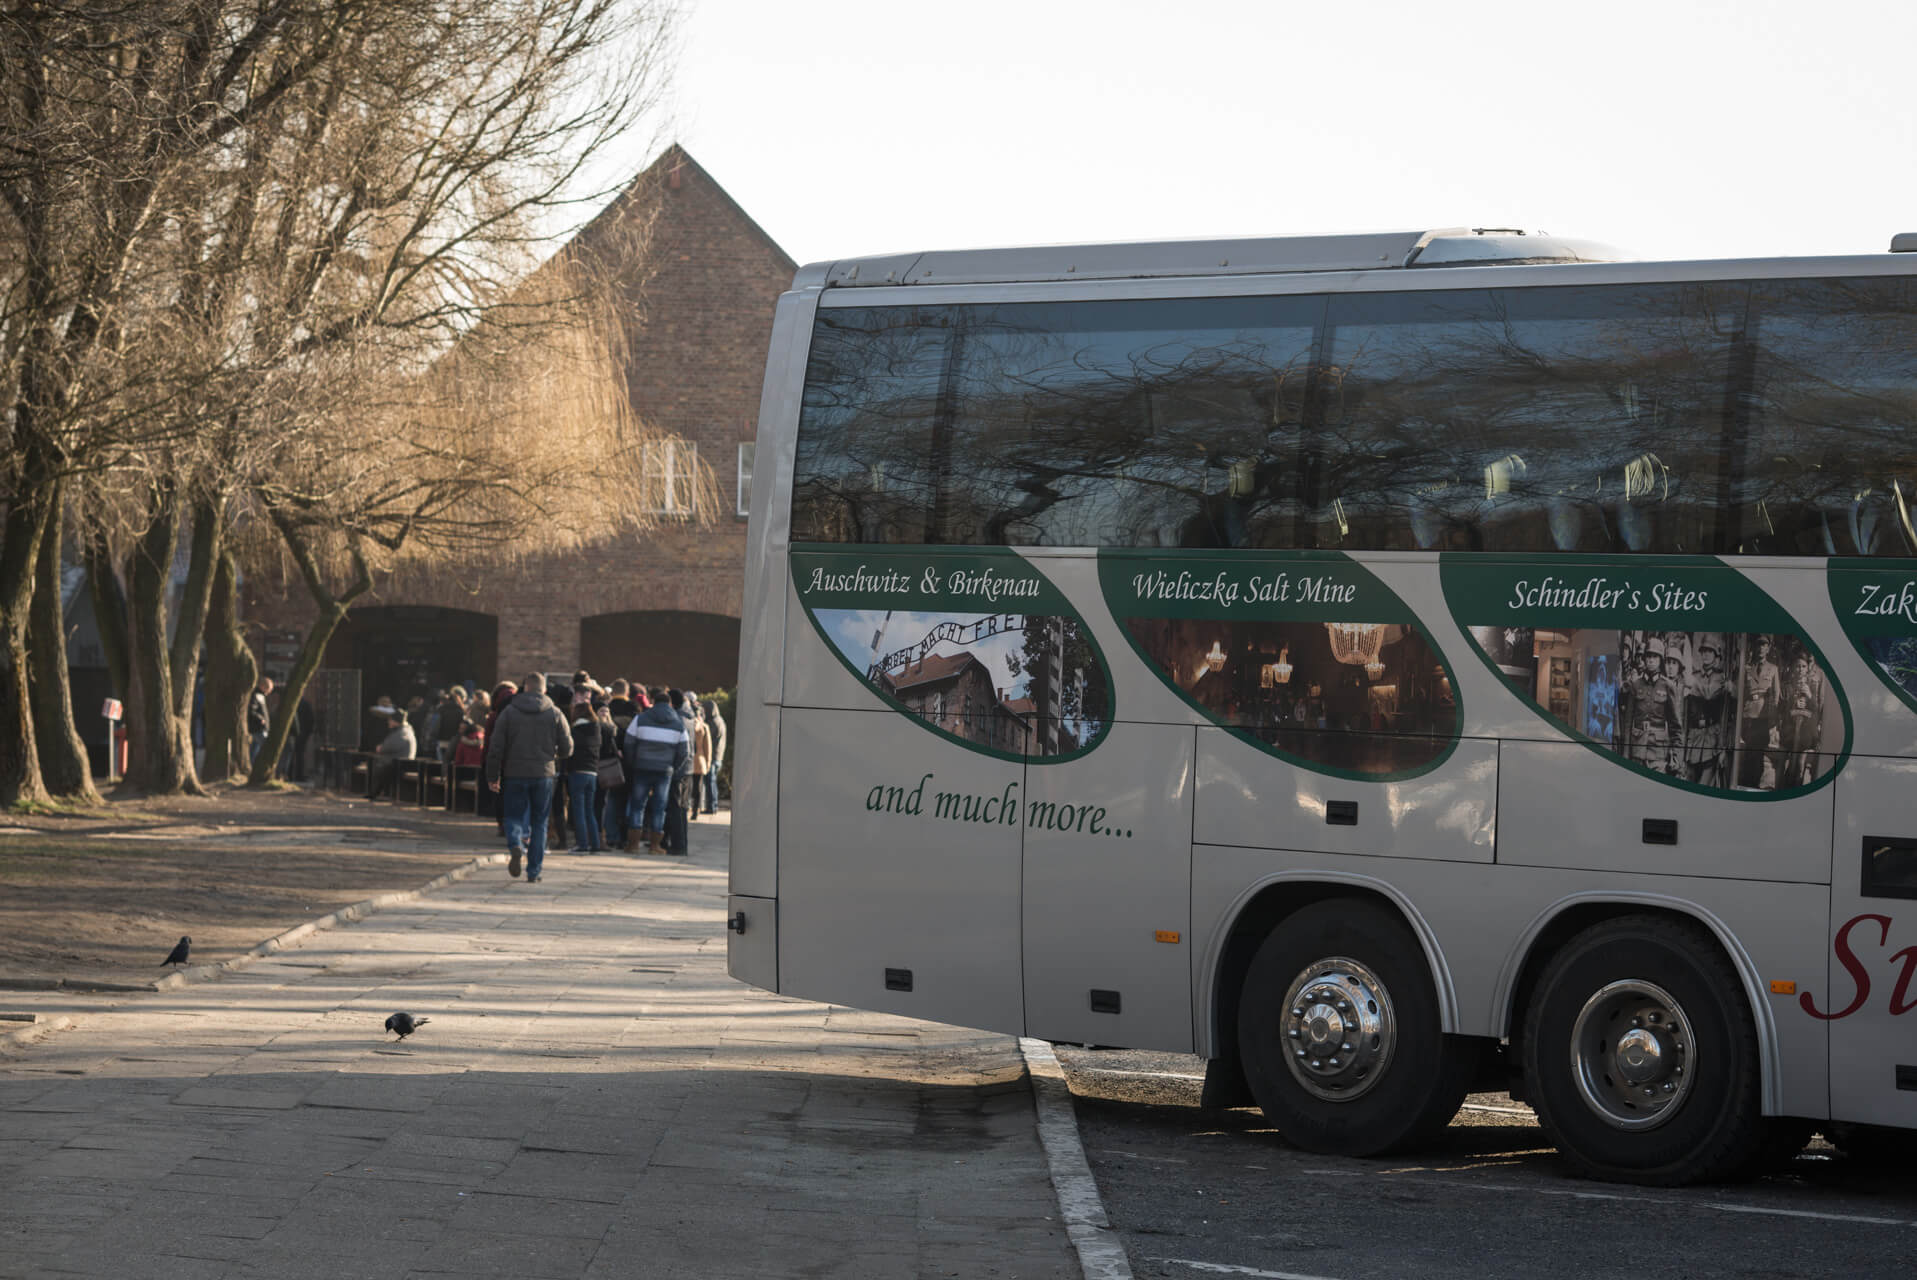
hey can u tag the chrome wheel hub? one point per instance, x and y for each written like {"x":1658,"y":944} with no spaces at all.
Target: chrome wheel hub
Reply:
{"x":1338,"y":1028}
{"x":1632,"y":1055}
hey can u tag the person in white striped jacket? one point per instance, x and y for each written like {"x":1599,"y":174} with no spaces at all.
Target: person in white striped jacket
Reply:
{"x":656,"y":748}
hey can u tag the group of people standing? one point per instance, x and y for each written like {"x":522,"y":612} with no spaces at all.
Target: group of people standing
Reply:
{"x":622,"y":765}
{"x":638,"y":764}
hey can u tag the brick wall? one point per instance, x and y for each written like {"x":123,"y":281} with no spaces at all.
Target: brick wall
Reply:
{"x":702,"y":322}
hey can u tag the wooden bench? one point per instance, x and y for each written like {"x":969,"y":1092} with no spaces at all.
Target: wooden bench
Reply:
{"x":465,"y":788}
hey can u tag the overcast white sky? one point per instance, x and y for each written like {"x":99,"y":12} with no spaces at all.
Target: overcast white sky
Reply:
{"x":1680,"y":128}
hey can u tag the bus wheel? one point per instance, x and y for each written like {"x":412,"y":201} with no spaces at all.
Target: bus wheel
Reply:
{"x":1640,"y":1055}
{"x":1339,"y":1032}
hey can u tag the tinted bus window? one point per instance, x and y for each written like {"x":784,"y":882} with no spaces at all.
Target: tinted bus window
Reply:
{"x":1571,"y":419}
{"x":1703,"y":418}
{"x":1831,"y":464}
{"x":1044,"y":424}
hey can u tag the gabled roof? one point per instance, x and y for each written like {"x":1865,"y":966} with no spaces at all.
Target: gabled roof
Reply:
{"x":932,"y":669}
{"x":660,"y":174}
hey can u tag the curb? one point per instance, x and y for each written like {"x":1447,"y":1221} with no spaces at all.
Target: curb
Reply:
{"x":1101,"y":1254}
{"x":300,"y":932}
{"x":206,"y":972}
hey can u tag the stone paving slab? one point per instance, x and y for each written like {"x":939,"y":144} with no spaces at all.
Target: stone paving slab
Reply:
{"x":593,"y":1097}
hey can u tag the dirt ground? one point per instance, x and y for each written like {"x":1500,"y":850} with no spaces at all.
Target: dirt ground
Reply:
{"x":104,"y":895}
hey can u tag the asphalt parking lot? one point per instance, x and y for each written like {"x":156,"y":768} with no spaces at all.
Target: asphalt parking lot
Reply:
{"x":1196,"y":1193}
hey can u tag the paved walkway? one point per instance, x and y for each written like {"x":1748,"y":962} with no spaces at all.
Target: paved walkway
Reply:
{"x":593,"y":1097}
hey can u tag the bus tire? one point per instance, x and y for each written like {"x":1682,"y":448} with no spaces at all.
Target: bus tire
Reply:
{"x":1339,"y":1033}
{"x":1640,"y":1056}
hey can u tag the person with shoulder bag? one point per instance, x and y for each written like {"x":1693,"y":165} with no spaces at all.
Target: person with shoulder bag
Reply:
{"x":612,"y":779}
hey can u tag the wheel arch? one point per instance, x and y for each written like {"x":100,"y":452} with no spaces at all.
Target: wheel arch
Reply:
{"x":1562,"y":920}
{"x":1270,"y":899}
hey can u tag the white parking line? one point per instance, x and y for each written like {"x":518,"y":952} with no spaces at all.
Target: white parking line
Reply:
{"x":1226,"y":1268}
{"x":1669,"y":1202}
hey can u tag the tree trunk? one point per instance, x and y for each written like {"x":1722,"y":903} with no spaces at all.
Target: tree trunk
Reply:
{"x":109,"y":607}
{"x":64,"y":767}
{"x":231,"y":673}
{"x":159,"y":739}
{"x":20,"y":781}
{"x":209,"y":537}
{"x":330,"y":613}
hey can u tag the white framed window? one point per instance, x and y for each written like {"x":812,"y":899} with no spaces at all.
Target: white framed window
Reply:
{"x":744,"y":506}
{"x":669,"y":471}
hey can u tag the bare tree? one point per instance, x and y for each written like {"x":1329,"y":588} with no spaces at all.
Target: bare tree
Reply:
{"x":413,"y":353}
{"x":237,"y":237}
{"x":102,"y":106}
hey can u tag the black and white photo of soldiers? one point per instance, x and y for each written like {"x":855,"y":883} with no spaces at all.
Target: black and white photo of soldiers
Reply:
{"x":1718,"y":711}
{"x":1650,"y":707}
{"x":1760,"y":705}
{"x":1781,"y":707}
{"x":1801,"y":724}
{"x":1709,"y":708}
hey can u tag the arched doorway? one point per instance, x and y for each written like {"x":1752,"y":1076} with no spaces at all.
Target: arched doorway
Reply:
{"x":698,"y":651}
{"x":403,"y":650}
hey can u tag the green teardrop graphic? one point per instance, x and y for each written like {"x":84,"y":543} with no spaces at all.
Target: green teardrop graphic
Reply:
{"x":1877,"y":607}
{"x":1305,"y":655}
{"x":976,"y":645}
{"x":1679,"y":668}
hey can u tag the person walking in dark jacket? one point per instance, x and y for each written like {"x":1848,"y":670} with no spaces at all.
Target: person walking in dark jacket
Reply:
{"x":582,"y":779}
{"x":528,"y":741}
{"x":657,"y":747}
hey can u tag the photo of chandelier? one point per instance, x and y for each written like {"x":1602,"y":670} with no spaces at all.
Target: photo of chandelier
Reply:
{"x":1356,"y":643}
{"x":1216,"y":658}
{"x":1276,"y":673}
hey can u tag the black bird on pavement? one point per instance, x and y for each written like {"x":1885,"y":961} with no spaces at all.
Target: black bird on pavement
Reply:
{"x":178,"y":954}
{"x":405,"y":1024}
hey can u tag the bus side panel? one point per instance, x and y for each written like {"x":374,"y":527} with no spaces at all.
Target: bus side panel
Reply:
{"x":884,"y":903}
{"x":1108,"y":892}
{"x":1247,"y":797}
{"x":1580,"y":811}
{"x":763,"y":637}
{"x":1479,"y":915}
{"x":1872,"y":1010}
{"x":755,"y":798}
{"x":754,"y":868}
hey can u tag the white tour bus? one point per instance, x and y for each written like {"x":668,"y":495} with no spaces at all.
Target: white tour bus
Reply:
{"x":1383,"y":665}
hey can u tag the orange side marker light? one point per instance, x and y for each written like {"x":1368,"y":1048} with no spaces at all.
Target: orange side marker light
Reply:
{"x":1780,"y":988}
{"x":1166,"y":935}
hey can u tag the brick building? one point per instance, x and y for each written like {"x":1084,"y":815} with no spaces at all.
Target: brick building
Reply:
{"x":956,"y":693}
{"x":663,"y":607}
